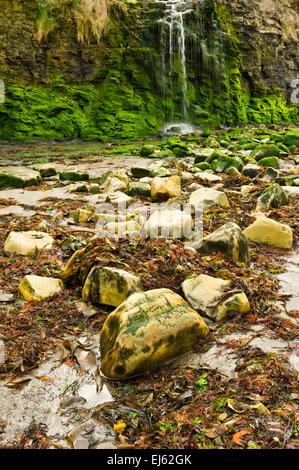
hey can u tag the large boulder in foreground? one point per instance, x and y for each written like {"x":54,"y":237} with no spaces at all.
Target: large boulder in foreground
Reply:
{"x":35,"y":288}
{"x":27,"y":243}
{"x":147,"y":330}
{"x":229,"y":240}
{"x":269,"y":232}
{"x":207,"y":293}
{"x":18,"y":177}
{"x":109,"y":286}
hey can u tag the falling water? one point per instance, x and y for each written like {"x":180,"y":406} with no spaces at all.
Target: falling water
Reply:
{"x":172,"y":37}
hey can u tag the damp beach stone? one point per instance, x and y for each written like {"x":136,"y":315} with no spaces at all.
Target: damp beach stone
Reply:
{"x":18,"y":177}
{"x":228,"y":239}
{"x":27,"y":243}
{"x":146,"y":331}
{"x":34,"y":288}
{"x":272,"y":198}
{"x":269,"y":232}
{"x":109,"y":286}
{"x":205,"y":292}
{"x":209,"y":197}
{"x":165,"y":188}
{"x":73,"y":174}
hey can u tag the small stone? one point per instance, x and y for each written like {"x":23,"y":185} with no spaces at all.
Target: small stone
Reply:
{"x":27,"y":243}
{"x":251,"y":170}
{"x":139,"y":189}
{"x":35,"y":288}
{"x":18,"y":177}
{"x":109,"y":286}
{"x":82,"y":216}
{"x":168,"y":224}
{"x":73,"y":174}
{"x":269,"y":232}
{"x":272,"y":198}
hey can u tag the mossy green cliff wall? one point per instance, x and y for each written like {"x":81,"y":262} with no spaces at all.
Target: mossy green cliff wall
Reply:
{"x":59,"y":87}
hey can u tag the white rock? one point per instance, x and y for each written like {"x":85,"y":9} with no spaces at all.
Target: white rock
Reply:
{"x":169,"y":223}
{"x":27,"y":243}
{"x":209,"y":197}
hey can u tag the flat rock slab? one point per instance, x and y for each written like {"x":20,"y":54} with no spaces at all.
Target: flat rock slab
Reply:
{"x":18,"y":177}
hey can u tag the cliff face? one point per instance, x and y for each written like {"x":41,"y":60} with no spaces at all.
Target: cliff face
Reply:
{"x":238,"y":55}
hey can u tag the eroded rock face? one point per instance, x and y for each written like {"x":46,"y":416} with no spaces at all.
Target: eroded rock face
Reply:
{"x":18,"y":177}
{"x":269,"y":232}
{"x":109,"y":286}
{"x":205,"y":292}
{"x":27,"y":243}
{"x":147,"y":330}
{"x":35,"y":288}
{"x":229,"y":240}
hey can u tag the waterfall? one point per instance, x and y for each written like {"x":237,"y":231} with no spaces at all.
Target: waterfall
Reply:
{"x":172,"y":39}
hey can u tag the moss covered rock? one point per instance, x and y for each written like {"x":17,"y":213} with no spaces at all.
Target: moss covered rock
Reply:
{"x":18,"y":177}
{"x":73,"y":174}
{"x":109,"y":286}
{"x":291,"y":138}
{"x":272,"y":162}
{"x":146,"y":331}
{"x":205,"y":293}
{"x":229,"y":240}
{"x":272,"y":198}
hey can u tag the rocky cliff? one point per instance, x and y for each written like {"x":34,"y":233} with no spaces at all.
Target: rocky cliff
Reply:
{"x":68,"y":76}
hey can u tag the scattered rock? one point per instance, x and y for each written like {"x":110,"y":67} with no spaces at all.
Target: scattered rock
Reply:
{"x":207,"y":293}
{"x":165,"y":188}
{"x":139,"y":189}
{"x":269,"y":232}
{"x":146,"y":331}
{"x":229,"y":240}
{"x":82,"y":216}
{"x":251,"y":170}
{"x":272,"y":162}
{"x":109,"y":286}
{"x":209,"y":197}
{"x":18,"y":177}
{"x":27,"y":243}
{"x":73,"y":174}
{"x":272,"y":198}
{"x":35,"y":288}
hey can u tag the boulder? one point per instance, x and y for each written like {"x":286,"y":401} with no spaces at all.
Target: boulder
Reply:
{"x":139,"y":189}
{"x":140,"y":172}
{"x":34,"y":288}
{"x":269,"y":232}
{"x":109,"y":286}
{"x":209,"y":197}
{"x":113,"y":184}
{"x":18,"y":177}
{"x":165,"y":188}
{"x":291,"y":138}
{"x":27,"y":243}
{"x":168,"y":224}
{"x":229,"y":240}
{"x":272,"y":198}
{"x":251,"y":170}
{"x":206,"y":292}
{"x":146,"y":331}
{"x":266,"y":150}
{"x":272,"y":162}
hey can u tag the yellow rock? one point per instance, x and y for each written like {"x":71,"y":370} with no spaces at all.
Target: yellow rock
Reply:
{"x":147,"y":330}
{"x":109,"y":286}
{"x":35,"y":288}
{"x":269,"y":232}
{"x":208,"y":197}
{"x":27,"y":243}
{"x":82,"y":215}
{"x":165,"y":188}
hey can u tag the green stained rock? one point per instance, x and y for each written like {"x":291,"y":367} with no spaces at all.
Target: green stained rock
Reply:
{"x":166,"y":153}
{"x":291,"y":138}
{"x":229,"y":240}
{"x":109,"y":286}
{"x":265,"y":150}
{"x":73,"y":174}
{"x":173,"y":142}
{"x":222,"y":164}
{"x":272,"y":198}
{"x":146,"y":331}
{"x":18,"y":177}
{"x":139,"y":189}
{"x":200,"y":159}
{"x":140,"y":172}
{"x":272,"y":162}
{"x":203,"y":166}
{"x":180,"y":151}
{"x":251,"y":170}
{"x":147,"y":150}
